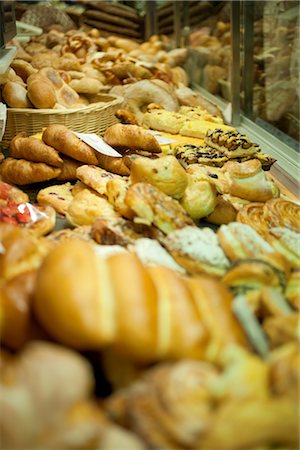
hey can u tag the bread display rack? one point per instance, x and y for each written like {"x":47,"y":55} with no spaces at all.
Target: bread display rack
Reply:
{"x":94,"y":118}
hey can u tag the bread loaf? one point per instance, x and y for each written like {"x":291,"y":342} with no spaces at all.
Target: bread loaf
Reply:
{"x":86,"y":302}
{"x":41,"y":92}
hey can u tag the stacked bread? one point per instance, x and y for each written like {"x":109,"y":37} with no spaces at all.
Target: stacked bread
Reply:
{"x":119,"y":20}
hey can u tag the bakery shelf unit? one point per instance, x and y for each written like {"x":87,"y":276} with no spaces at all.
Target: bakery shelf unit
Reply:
{"x":244,"y":56}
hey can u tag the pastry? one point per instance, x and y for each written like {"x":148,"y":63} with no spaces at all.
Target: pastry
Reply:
{"x":33,"y":149}
{"x":79,"y":186}
{"x":65,"y":95}
{"x":152,"y":206}
{"x":116,"y":190}
{"x":66,"y":142}
{"x":199,"y":199}
{"x":83,"y":233}
{"x":161,"y":120}
{"x":58,"y":196}
{"x":253,"y":215}
{"x":151,"y":252}
{"x":20,"y":171}
{"x":165,"y":173}
{"x":95,"y":177}
{"x":113,"y":164}
{"x":138,"y":95}
{"x":282,"y":329}
{"x":86,"y":207}
{"x":22,"y":251}
{"x":292,"y":291}
{"x":115,"y":231}
{"x":231,"y":143}
{"x":247,"y":180}
{"x":126,"y":117}
{"x":200,"y":128}
{"x":223,"y":213}
{"x":43,"y":219}
{"x":9,"y":193}
{"x":240,"y":241}
{"x":282,"y":213}
{"x":199,"y":113}
{"x":69,"y":169}
{"x":213,"y":175}
{"x":172,"y":321}
{"x":286,"y":242}
{"x":196,"y":154}
{"x":123,"y":137}
{"x":197,"y":250}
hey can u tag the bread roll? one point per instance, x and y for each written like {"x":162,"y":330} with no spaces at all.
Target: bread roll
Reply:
{"x":15,"y":95}
{"x":23,"y":68}
{"x":41,"y":92}
{"x":87,"y":302}
{"x":65,"y":141}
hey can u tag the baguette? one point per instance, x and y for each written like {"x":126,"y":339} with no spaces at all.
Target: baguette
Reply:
{"x":66,"y":142}
{"x":87,"y":303}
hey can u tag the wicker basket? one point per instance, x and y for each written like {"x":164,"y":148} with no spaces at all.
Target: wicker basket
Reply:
{"x":94,"y":118}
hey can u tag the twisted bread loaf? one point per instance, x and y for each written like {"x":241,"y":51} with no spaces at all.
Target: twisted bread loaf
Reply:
{"x":145,"y":313}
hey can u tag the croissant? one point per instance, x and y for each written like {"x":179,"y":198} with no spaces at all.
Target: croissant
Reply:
{"x":88,"y":303}
{"x":33,"y":149}
{"x":133,"y":137}
{"x":65,"y":141}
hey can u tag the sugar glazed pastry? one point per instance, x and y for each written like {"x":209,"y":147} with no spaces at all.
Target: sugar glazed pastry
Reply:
{"x":231,"y":143}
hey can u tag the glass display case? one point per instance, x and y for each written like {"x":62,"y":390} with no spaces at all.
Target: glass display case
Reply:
{"x":244,"y":56}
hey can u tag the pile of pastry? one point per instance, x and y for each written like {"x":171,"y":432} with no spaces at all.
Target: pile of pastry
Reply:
{"x":159,"y":306}
{"x":160,"y":335}
{"x":67,"y":70}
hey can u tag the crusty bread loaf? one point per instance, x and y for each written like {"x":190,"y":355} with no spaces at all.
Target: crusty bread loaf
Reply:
{"x":87,"y":302}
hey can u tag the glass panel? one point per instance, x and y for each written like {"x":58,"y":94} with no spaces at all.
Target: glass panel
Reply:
{"x":210,"y":46}
{"x":276,"y":53}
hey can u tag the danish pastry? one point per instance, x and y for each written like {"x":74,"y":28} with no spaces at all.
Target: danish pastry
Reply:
{"x":95,"y":177}
{"x":282,"y":213}
{"x":86,"y":207}
{"x":253,"y":215}
{"x":199,"y":198}
{"x":247,"y":180}
{"x":58,"y":196}
{"x":152,"y":206}
{"x":286,"y":242}
{"x":240,"y":241}
{"x":20,"y":171}
{"x":231,"y":143}
{"x":116,"y":190}
{"x":165,"y":173}
{"x":197,"y":250}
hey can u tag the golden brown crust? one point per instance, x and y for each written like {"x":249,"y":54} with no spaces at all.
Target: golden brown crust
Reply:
{"x":153,"y":206}
{"x":126,"y":117}
{"x":116,"y":231}
{"x":65,"y":141}
{"x":33,"y":149}
{"x":223,"y":213}
{"x":253,"y":215}
{"x":15,"y":95}
{"x":57,"y":196}
{"x":20,"y":171}
{"x":116,"y":190}
{"x":44,"y":224}
{"x":41,"y":92}
{"x":292,"y":291}
{"x":95,"y":177}
{"x":69,"y":169}
{"x":123,"y":137}
{"x":282,"y":213}
{"x":165,"y":173}
{"x":113,"y":164}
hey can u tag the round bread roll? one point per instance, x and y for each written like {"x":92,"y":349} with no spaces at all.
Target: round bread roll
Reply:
{"x":23,"y":68}
{"x":86,"y":85}
{"x":15,"y":95}
{"x":41,"y":92}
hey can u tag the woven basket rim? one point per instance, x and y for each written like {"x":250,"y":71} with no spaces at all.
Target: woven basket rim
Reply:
{"x":93,"y":106}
